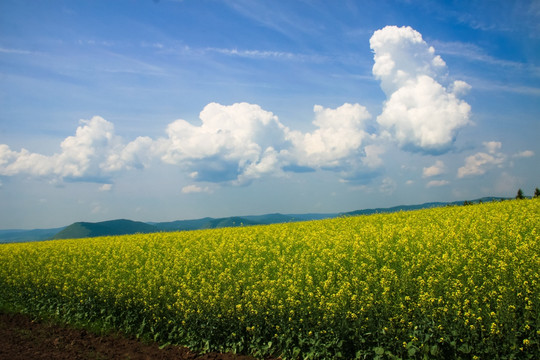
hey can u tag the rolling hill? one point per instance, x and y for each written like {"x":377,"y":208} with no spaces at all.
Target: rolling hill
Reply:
{"x":113,"y":227}
{"x":9,"y":236}
{"x":125,"y":227}
{"x":418,"y":207}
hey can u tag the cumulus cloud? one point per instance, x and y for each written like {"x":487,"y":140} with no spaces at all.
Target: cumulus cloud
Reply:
{"x":136,"y":154}
{"x":93,"y":152}
{"x":372,"y":159}
{"x":235,"y":144}
{"x":80,"y":153}
{"x":420,"y":113}
{"x":340,"y":134}
{"x":238,"y":143}
{"x":340,"y":143}
{"x":232,"y":142}
{"x":243,"y":142}
{"x":400,"y":54}
{"x":437,"y":169}
{"x":481,"y":162}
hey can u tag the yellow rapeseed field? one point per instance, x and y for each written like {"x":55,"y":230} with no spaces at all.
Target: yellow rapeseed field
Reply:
{"x":453,"y":282}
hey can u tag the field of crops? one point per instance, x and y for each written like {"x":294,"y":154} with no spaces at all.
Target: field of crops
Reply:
{"x":454,"y":282}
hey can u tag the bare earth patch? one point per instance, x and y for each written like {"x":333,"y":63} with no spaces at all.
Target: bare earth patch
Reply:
{"x":21,"y":338}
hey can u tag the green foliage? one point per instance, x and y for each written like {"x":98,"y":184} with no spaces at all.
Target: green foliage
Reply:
{"x":454,"y":282}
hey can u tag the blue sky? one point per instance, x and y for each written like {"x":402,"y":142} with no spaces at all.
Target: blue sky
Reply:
{"x":165,"y":110}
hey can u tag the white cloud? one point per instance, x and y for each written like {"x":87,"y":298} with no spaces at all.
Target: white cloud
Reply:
{"x":15,"y":51}
{"x":481,"y":162}
{"x":266,"y":54}
{"x":98,"y":209}
{"x":85,"y":152}
{"x":420,"y":113}
{"x":93,"y":152}
{"x":372,"y":159}
{"x":492,"y":146}
{"x":478,"y":164}
{"x":436,"y":183}
{"x":136,"y":154}
{"x":75,"y":160}
{"x":238,"y":143}
{"x":524,"y":154}
{"x":340,"y":143}
{"x":105,"y":187}
{"x":400,"y":54}
{"x":388,"y":186}
{"x":460,"y":87}
{"x":339,"y":135}
{"x":437,"y":169}
{"x":233,"y":141}
{"x":268,"y":164}
{"x":195,"y":189}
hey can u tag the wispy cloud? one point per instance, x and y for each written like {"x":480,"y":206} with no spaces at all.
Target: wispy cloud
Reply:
{"x":268,"y":54}
{"x":105,"y":187}
{"x":273,"y":16}
{"x":494,"y":86}
{"x":474,"y":53}
{"x":437,"y":183}
{"x":15,"y":51}
{"x":524,"y":154}
{"x":190,"y":189}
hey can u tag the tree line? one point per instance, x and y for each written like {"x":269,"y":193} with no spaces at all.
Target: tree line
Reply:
{"x":520,"y":194}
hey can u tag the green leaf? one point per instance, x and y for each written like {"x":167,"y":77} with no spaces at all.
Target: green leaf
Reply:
{"x":164,"y":345}
{"x":465,"y":348}
{"x":379,"y":350}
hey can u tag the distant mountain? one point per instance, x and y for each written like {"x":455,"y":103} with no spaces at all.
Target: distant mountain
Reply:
{"x":213,"y":223}
{"x":270,"y":218}
{"x":9,"y":236}
{"x":233,"y":221}
{"x":125,"y":227}
{"x":178,"y":225}
{"x":281,"y":218}
{"x":104,"y":228}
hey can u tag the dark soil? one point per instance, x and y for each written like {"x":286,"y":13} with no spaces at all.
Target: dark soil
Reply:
{"x":22,"y":338}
